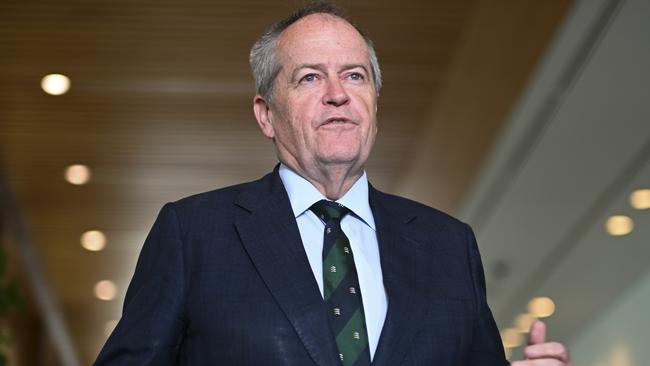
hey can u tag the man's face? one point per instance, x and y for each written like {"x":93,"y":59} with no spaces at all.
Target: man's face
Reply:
{"x":324,"y":102}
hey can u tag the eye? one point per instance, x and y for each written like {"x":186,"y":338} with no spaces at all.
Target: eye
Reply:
{"x":308,"y":78}
{"x":356,"y":76}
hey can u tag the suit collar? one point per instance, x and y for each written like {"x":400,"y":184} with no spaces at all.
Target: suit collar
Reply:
{"x":405,"y":273}
{"x":270,"y":236}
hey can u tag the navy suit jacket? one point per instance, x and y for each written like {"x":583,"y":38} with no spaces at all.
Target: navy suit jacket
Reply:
{"x":223,"y":279}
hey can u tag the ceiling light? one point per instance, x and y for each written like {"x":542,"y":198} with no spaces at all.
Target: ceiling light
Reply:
{"x":640,"y":199}
{"x":523,"y":322}
{"x":511,"y":338}
{"x":109,"y":326}
{"x":105,"y":290}
{"x":93,"y":240}
{"x":55,"y":84}
{"x":619,"y":225}
{"x":77,"y":174}
{"x":541,"y":307}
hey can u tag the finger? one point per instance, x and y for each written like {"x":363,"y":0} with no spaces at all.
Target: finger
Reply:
{"x":553,"y":350}
{"x":537,"y":333}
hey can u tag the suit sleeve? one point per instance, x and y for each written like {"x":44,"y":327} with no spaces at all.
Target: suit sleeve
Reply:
{"x":487,"y":348}
{"x":152,"y":325}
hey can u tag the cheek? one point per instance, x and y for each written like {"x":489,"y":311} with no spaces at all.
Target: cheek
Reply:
{"x":373,"y":132}
{"x":282,"y":123}
{"x":292,"y":133}
{"x":370,"y":139}
{"x":301,"y":127}
{"x":367,"y":105}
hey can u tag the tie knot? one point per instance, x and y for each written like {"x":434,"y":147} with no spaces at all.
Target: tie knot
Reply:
{"x":329,"y":210}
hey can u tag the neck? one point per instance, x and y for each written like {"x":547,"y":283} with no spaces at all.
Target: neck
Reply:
{"x":332,"y":180}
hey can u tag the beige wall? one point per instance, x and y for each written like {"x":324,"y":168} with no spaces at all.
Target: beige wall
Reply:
{"x":619,"y":335}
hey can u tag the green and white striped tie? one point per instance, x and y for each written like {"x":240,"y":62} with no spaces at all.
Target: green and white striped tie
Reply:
{"x":341,"y":287}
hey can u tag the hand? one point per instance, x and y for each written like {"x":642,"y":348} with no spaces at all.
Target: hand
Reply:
{"x":542,"y":353}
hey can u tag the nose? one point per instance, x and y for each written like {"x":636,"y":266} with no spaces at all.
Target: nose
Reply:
{"x":335,"y":94}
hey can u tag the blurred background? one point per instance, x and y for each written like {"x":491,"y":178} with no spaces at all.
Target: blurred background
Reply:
{"x":530,"y":120}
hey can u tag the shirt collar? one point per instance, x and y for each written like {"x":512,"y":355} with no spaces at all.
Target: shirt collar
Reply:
{"x":303,"y":194}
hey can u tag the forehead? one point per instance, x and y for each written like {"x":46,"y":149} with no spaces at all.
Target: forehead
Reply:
{"x":321,"y":38}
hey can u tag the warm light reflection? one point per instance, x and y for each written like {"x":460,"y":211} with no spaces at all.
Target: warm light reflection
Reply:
{"x":77,"y":174}
{"x":511,"y":338}
{"x":93,"y":240}
{"x":55,"y":84}
{"x":619,"y":225}
{"x":541,"y":307}
{"x":620,"y":356}
{"x":109,"y":326}
{"x":523,"y":322}
{"x":105,"y":290}
{"x":508,"y":352}
{"x":640,"y":199}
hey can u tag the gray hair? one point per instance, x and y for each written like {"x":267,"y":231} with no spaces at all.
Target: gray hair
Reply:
{"x":263,"y":61}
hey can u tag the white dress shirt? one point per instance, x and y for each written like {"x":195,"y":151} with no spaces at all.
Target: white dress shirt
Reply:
{"x":359,"y":227}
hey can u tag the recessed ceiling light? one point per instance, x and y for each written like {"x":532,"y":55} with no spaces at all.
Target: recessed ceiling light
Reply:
{"x":109,"y":326}
{"x":105,"y":290}
{"x":619,"y":225}
{"x":541,"y":307}
{"x":523,"y":322}
{"x":55,"y":84}
{"x":640,"y":199}
{"x":77,"y":174}
{"x":93,"y":240}
{"x":511,"y":338}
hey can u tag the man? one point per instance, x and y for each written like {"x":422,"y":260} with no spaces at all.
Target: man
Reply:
{"x":274,"y":272}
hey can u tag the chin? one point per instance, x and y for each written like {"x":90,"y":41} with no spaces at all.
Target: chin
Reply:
{"x":340,"y":158}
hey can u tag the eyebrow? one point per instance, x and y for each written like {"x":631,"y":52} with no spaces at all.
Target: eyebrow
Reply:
{"x":321,"y":67}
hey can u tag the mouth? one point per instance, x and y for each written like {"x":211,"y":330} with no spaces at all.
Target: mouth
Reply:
{"x":334,"y":121}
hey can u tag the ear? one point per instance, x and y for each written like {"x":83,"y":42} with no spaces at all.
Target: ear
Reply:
{"x":262,"y":113}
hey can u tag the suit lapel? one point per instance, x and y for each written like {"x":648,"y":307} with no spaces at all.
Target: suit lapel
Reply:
{"x":271,"y":238}
{"x":405,"y":275}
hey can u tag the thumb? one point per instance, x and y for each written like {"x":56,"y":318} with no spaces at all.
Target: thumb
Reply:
{"x":537,"y":333}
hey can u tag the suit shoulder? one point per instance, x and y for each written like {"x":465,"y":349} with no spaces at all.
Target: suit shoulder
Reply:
{"x":427,"y":215}
{"x":217,"y":202}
